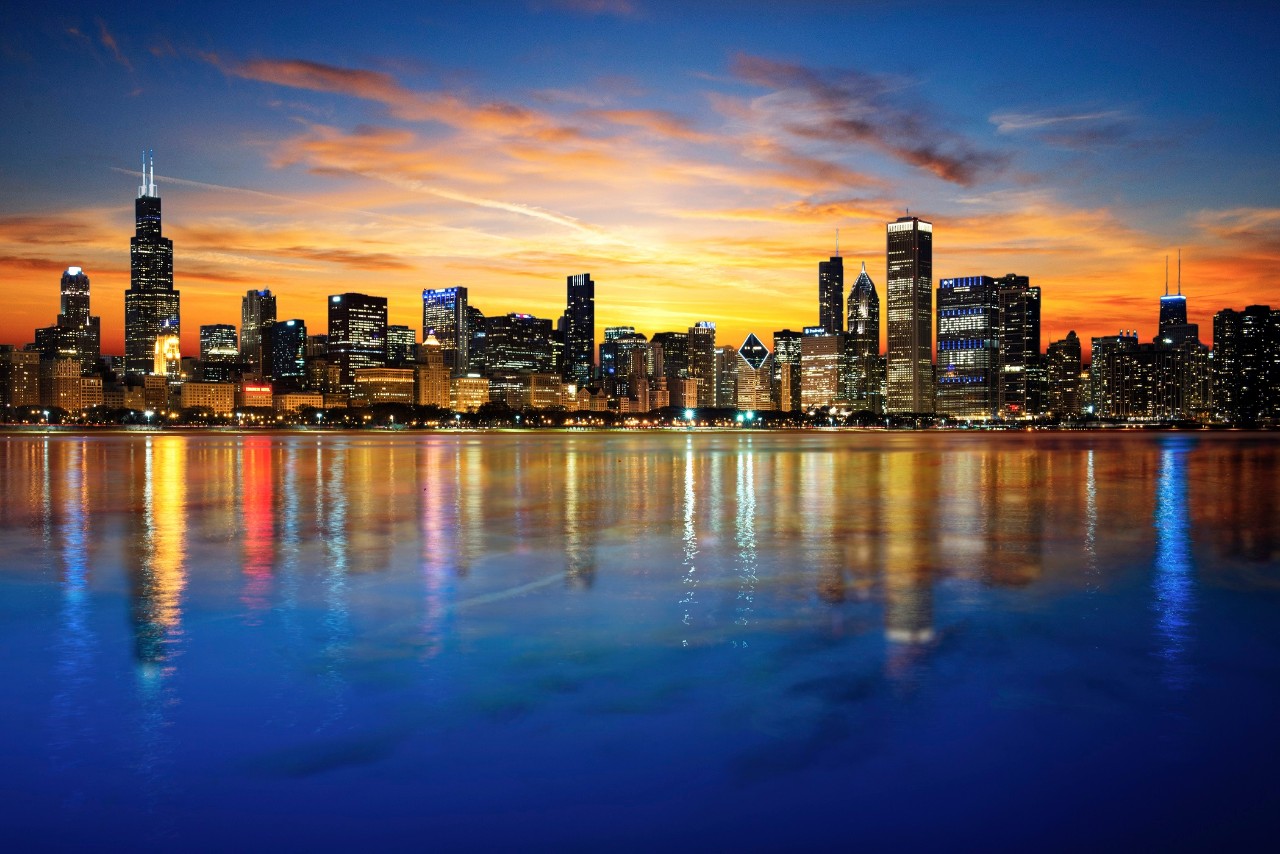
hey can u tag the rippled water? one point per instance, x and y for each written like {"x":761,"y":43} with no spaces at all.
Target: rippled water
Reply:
{"x":624,"y":640}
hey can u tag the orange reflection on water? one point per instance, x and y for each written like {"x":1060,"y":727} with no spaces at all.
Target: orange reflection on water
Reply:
{"x":160,"y":577}
{"x":257,"y":521}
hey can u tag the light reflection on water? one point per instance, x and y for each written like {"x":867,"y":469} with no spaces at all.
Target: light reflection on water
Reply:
{"x":1175,"y":594}
{"x":468,"y":613}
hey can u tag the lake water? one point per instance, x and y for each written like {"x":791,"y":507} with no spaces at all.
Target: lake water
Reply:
{"x":628,"y":640}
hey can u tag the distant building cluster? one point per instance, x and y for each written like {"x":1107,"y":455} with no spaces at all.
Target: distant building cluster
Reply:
{"x":974,"y":356}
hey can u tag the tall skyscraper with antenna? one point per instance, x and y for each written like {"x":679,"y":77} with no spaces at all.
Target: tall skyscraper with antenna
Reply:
{"x":1173,"y":307}
{"x":151,"y":305}
{"x":831,"y":292}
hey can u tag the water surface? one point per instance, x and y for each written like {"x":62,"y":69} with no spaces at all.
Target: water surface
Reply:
{"x":624,"y":640}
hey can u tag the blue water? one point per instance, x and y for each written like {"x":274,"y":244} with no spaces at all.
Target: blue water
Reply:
{"x":759,"y":641}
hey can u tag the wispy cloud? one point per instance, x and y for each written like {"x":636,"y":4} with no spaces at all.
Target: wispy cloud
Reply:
{"x":112,"y":46}
{"x":850,"y":106}
{"x":1075,"y":130}
{"x":617,"y":8}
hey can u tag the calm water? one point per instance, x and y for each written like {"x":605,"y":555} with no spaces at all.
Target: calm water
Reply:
{"x":705,"y":641}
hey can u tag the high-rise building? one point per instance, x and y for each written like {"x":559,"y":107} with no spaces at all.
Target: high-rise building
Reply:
{"x":673,"y":347}
{"x":831,"y":293}
{"x":81,"y":330}
{"x":1173,"y":307}
{"x":1021,"y":368}
{"x":151,"y":305}
{"x":968,"y":347}
{"x":166,"y":359}
{"x":257,"y":312}
{"x":1064,"y":367}
{"x":19,"y":379}
{"x":357,"y":334}
{"x":431,"y":377}
{"x":726,"y":376}
{"x":580,"y":328}
{"x":786,"y":369}
{"x":477,"y":340}
{"x":517,"y":342}
{"x":862,"y":342}
{"x":624,"y":360}
{"x":702,"y":362}
{"x":401,"y":342}
{"x":754,"y":376}
{"x":1176,"y":333}
{"x":909,"y":288}
{"x":820,"y":353}
{"x":219,"y":352}
{"x":1104,"y":372}
{"x":445,"y":314}
{"x":1246,"y":364}
{"x":284,"y":352}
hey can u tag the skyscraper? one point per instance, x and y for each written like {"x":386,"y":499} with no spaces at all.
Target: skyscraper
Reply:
{"x":1064,"y":376}
{"x":357,"y":334}
{"x":580,"y":334}
{"x":151,"y":305}
{"x":786,"y":372}
{"x":910,"y":298}
{"x":862,"y":341}
{"x":1104,"y":372}
{"x":257,"y":312}
{"x":831,"y":293}
{"x":284,"y":351}
{"x":754,"y":376}
{"x":820,"y":352}
{"x":219,"y":352}
{"x":1021,"y":368}
{"x":1173,"y":307}
{"x":968,"y":347}
{"x":401,"y":342}
{"x":1246,"y":364}
{"x":702,"y":361}
{"x":83,"y":329}
{"x":518,"y":342}
{"x":445,"y":314}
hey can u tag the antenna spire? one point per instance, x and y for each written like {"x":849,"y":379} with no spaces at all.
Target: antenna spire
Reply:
{"x":1166,"y":275}
{"x":1179,"y":271}
{"x":837,"y":243}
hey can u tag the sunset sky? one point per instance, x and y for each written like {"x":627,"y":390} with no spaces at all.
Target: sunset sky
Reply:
{"x":695,"y":158}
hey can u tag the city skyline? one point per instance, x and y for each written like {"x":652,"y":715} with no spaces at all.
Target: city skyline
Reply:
{"x":701,"y":186}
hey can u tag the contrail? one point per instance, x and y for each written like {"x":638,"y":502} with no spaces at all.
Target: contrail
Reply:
{"x":404,"y":183}
{"x":183,"y":182}
{"x":509,"y":207}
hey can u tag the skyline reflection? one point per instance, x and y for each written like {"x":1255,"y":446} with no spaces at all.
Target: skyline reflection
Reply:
{"x":428,"y":623}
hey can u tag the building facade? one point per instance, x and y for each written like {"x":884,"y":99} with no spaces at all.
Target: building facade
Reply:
{"x":1021,"y":368}
{"x":968,"y":347}
{"x":446,"y":315}
{"x":580,"y":328}
{"x":831,"y":293}
{"x":257,"y":313}
{"x":1065,"y":366}
{"x":357,"y":334}
{"x":909,"y":289}
{"x":151,"y":305}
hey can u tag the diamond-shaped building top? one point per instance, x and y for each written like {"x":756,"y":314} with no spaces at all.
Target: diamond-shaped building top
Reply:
{"x":753,"y":352}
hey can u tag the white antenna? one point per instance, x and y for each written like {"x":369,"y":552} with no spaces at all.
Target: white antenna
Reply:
{"x":837,"y":243}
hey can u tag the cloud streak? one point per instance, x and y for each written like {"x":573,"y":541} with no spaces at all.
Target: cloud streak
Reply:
{"x":849,"y":106}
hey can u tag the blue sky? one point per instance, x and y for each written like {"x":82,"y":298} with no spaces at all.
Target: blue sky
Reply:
{"x":505,"y":145}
